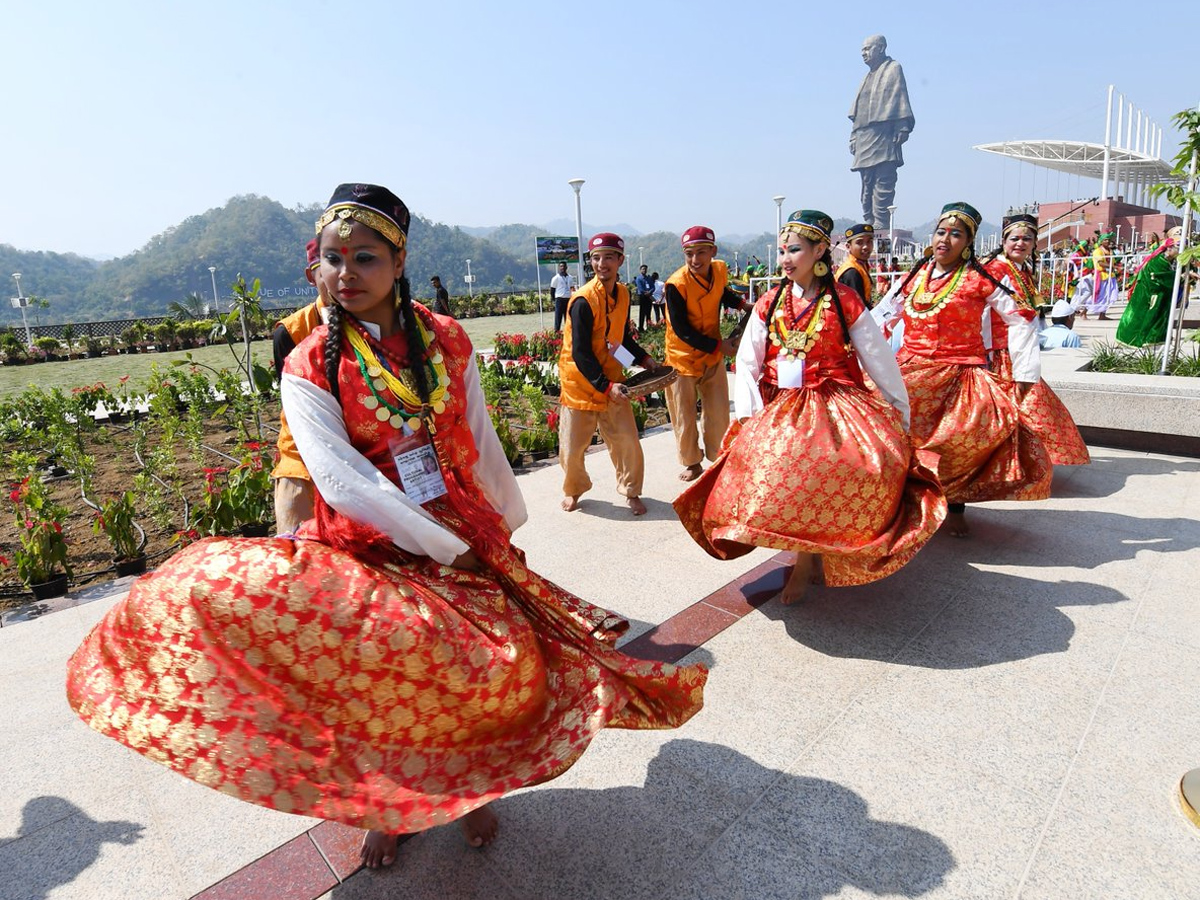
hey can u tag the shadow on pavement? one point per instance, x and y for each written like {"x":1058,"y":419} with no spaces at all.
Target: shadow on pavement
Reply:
{"x":679,"y":835}
{"x":55,"y":843}
{"x":656,"y":510}
{"x":1106,"y":476}
{"x":983,"y":617}
{"x":996,"y":618}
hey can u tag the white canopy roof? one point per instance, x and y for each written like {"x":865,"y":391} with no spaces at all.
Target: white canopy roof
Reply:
{"x":1084,"y":159}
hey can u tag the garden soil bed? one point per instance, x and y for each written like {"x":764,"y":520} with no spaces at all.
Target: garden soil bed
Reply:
{"x":90,"y":554}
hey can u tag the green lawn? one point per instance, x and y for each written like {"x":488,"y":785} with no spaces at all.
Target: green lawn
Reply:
{"x":108,"y":369}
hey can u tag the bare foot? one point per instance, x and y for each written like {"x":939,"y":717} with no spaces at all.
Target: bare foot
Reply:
{"x":636,"y":504}
{"x":956,"y":525}
{"x":1102,"y":317}
{"x":570,"y":504}
{"x":798,"y":581}
{"x":480,"y":826}
{"x":378,"y":849}
{"x":691,"y":473}
{"x":818,"y":570}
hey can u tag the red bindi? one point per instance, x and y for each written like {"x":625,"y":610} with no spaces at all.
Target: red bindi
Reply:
{"x":345,"y":250}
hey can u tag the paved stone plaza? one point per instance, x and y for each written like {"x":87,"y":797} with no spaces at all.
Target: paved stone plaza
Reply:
{"x":1008,"y":716}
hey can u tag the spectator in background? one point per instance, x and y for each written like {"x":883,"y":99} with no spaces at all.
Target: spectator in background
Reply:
{"x":645,"y":295}
{"x":441,"y":297}
{"x":562,"y":286}
{"x":1059,"y":334}
{"x":659,"y":307}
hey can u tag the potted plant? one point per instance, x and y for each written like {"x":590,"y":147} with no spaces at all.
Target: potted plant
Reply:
{"x":237,"y":499}
{"x":115,"y":520}
{"x":250,"y":493}
{"x":41,"y":557}
{"x":49,"y":347}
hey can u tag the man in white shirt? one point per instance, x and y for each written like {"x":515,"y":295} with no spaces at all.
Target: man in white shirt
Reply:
{"x":1060,"y":334}
{"x":562,"y":286}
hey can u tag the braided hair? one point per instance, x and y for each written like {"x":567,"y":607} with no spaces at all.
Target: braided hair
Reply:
{"x":333,"y":346}
{"x":416,"y":344}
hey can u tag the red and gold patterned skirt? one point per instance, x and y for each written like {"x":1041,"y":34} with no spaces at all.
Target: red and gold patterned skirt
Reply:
{"x":962,"y":413}
{"x":826,"y":470}
{"x":1045,"y":415}
{"x":292,"y":675}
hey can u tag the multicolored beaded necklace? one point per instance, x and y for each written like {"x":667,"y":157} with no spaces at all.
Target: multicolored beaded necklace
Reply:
{"x":940,"y":299}
{"x":411,"y":411}
{"x":1030,"y":298}
{"x":792,"y":343}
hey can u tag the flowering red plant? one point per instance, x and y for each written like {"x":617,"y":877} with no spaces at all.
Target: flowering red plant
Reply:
{"x":42,"y":554}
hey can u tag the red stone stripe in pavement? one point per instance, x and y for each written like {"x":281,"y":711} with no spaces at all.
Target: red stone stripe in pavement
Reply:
{"x":318,"y":860}
{"x":294,"y":871}
{"x":679,"y":635}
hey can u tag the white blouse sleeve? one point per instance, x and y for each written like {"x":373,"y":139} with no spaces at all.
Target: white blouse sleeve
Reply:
{"x":877,"y":359}
{"x":1022,"y":338}
{"x":492,"y":472}
{"x":747,"y":398}
{"x":350,"y":483}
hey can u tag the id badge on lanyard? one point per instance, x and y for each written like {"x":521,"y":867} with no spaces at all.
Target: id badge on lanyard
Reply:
{"x":417,"y":465}
{"x":789,"y":373}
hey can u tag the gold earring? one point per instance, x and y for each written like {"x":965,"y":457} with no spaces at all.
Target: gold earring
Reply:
{"x":820,"y":269}
{"x":966,"y":254}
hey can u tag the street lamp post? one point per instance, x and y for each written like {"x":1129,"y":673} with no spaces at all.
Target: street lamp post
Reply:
{"x":212,"y":273}
{"x":641,"y":261}
{"x":891,"y":230}
{"x":19,"y":301}
{"x":576,"y":184}
{"x":778,"y":198}
{"x":470,"y":279}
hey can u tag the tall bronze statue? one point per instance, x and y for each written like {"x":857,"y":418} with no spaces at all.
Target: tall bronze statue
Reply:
{"x":882,"y":120}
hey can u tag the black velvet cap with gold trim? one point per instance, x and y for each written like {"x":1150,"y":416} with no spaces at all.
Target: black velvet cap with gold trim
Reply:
{"x":860,"y":228}
{"x":372,"y":205}
{"x":1019,"y":220}
{"x":963,"y":213}
{"x":811,"y":223}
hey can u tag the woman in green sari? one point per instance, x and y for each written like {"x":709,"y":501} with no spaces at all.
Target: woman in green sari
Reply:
{"x":1145,"y":318}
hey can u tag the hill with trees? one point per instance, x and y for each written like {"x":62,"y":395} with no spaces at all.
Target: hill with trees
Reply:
{"x":260,"y":238}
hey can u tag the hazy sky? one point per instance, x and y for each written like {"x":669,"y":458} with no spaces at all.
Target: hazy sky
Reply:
{"x":123,"y":118}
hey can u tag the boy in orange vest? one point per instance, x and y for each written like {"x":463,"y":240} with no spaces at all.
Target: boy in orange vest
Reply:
{"x":695,"y":349}
{"x":855,"y":270}
{"x":597,"y":345}
{"x":293,"y":484}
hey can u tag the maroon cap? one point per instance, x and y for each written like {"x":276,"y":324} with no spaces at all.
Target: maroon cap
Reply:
{"x":698,"y":234}
{"x":606,"y":240}
{"x":311,"y":249}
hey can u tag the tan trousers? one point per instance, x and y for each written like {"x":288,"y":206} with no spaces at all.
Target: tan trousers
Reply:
{"x":620,"y":434}
{"x":713,"y":390}
{"x":293,"y":503}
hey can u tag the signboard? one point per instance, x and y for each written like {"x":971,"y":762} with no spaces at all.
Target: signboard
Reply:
{"x":557,"y":248}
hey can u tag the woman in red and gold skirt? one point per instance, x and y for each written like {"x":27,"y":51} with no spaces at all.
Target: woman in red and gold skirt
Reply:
{"x":397,"y":666}
{"x":1041,"y":410}
{"x":816,"y":463}
{"x":959,"y":409}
